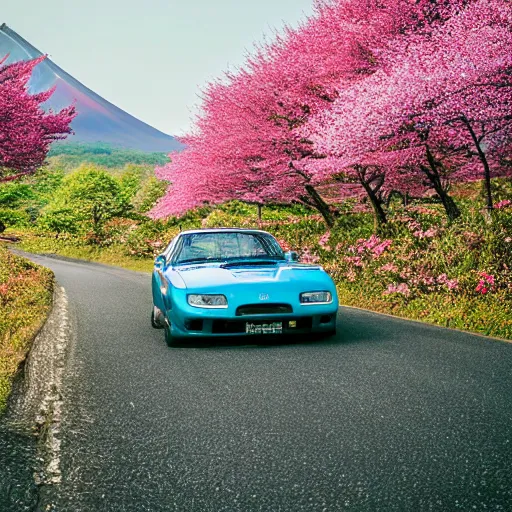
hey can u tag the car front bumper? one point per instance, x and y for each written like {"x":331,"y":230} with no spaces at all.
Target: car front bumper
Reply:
{"x":206,"y":323}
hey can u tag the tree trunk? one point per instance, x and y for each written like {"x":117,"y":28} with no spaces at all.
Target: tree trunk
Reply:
{"x":366,"y":181}
{"x":379,"y":217}
{"x":451,"y":208}
{"x":320,"y":205}
{"x":485,"y":163}
{"x":260,"y":207}
{"x":96,"y":219}
{"x":5,"y":179}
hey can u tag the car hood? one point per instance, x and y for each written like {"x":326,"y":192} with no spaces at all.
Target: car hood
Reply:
{"x":203,"y":277}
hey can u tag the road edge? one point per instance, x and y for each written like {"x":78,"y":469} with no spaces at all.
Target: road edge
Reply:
{"x":428,"y":324}
{"x":36,"y":401}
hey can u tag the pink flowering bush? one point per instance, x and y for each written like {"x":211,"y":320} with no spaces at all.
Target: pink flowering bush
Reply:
{"x":486,"y":284}
{"x":418,"y":266}
{"x":308,"y":256}
{"x":324,"y":241}
{"x":506,"y":203}
{"x":401,"y":289}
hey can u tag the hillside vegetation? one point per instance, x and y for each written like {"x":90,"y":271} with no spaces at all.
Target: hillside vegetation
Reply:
{"x":69,"y":155}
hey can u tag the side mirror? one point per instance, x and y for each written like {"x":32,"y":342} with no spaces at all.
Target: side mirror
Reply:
{"x":291,"y":256}
{"x":160,"y":262}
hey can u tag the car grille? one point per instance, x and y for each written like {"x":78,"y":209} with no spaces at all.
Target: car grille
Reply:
{"x":264,"y":309}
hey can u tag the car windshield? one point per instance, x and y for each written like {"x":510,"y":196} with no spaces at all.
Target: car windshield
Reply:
{"x":225,"y":247}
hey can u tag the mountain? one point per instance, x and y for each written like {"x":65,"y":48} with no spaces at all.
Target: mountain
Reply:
{"x":98,"y":120}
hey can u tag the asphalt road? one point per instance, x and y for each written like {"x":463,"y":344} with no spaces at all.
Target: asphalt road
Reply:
{"x":390,"y":415}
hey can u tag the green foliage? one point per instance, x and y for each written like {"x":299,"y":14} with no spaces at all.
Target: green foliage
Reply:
{"x":25,"y":299}
{"x":130,"y":181}
{"x":47,"y":181}
{"x":149,"y":239}
{"x":13,"y":194}
{"x":70,"y":155}
{"x":151,"y":190}
{"x":87,"y":199}
{"x":13,"y":218}
{"x":60,"y":220}
{"x":436,"y":266}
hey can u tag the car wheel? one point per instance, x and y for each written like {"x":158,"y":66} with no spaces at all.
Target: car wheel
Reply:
{"x":154,"y":323}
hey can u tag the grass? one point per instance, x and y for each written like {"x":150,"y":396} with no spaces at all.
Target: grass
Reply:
{"x":26,"y":292}
{"x":112,"y":255}
{"x":490,"y":318}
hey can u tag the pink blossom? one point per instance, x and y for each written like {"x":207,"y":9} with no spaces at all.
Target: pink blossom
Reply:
{"x":401,"y":288}
{"x":354,"y":260}
{"x":430,"y":233}
{"x":351,"y":275}
{"x":452,"y":284}
{"x":324,"y":240}
{"x":389,"y":267}
{"x":284,"y":245}
{"x":374,"y":247}
{"x":486,"y":283}
{"x":27,"y":129}
{"x":442,"y":278}
{"x":379,"y":249}
{"x":481,"y":287}
{"x":503,"y":204}
{"x":309,"y":257}
{"x":487,"y":277}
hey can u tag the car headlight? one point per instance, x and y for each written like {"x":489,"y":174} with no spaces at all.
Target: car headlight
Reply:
{"x":208,"y":301}
{"x":316,"y":298}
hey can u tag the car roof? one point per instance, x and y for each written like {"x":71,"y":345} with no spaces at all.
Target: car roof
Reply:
{"x":222,"y":230}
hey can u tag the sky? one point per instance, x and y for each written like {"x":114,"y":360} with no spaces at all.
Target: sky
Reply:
{"x":153,"y":57}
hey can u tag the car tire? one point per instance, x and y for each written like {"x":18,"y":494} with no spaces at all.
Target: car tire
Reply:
{"x":154,"y":323}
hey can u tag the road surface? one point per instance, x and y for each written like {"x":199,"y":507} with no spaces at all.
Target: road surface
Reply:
{"x":389,"y":415}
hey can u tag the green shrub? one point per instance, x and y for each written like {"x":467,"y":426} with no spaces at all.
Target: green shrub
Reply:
{"x":14,"y":194}
{"x":151,"y":190}
{"x":14,"y":218}
{"x":87,"y":199}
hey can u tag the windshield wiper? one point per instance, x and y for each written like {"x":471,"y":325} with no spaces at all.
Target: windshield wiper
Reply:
{"x":197,"y":260}
{"x":241,"y":263}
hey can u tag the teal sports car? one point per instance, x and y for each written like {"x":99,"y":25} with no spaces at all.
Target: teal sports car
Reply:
{"x":238,"y":282}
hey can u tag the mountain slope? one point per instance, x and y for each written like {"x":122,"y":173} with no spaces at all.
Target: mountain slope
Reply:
{"x":98,"y":120}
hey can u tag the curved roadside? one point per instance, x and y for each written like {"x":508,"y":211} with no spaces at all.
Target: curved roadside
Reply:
{"x":35,"y":339}
{"x":26,"y":295}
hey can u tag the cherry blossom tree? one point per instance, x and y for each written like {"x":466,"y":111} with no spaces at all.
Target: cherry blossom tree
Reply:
{"x":249,"y":124}
{"x":442,"y":92}
{"x":26,"y":130}
{"x":390,"y":95}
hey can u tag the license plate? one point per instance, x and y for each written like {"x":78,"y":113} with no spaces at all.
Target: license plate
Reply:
{"x":264,"y":328}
